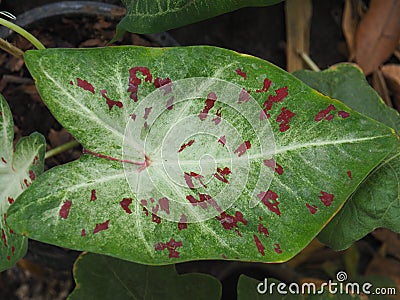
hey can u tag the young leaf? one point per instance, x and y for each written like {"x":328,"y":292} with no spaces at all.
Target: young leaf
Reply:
{"x":149,"y":16}
{"x":17,"y":171}
{"x":103,"y":277}
{"x":376,"y":202}
{"x":323,"y":152}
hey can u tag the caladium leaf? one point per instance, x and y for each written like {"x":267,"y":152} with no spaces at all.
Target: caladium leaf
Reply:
{"x":104,"y":277}
{"x":17,"y":170}
{"x":149,"y":16}
{"x":323,"y":152}
{"x":376,"y":202}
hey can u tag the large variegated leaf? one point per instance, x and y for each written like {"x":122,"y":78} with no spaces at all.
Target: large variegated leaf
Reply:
{"x":111,"y":200}
{"x":376,"y":201}
{"x":151,"y":16}
{"x":17,"y":171}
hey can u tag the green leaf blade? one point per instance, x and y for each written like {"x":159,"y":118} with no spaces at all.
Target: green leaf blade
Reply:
{"x":17,"y":171}
{"x":376,"y":201}
{"x":161,"y":15}
{"x":126,"y":280}
{"x":313,"y":158}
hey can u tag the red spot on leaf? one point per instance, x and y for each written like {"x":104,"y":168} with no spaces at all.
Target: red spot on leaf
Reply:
{"x":134,"y":81}
{"x":281,"y":94}
{"x":101,"y":226}
{"x":125,"y":205}
{"x":3,"y":237}
{"x":242,"y":148}
{"x":312,"y":208}
{"x":3,"y":160}
{"x":284,"y":118}
{"x":266,"y":85}
{"x":222,"y":173}
{"x":155,"y":218}
{"x":11,"y":231}
{"x":10,"y":200}
{"x":277,"y":248}
{"x":164,"y":84}
{"x":170,"y":103}
{"x":147,"y":112}
{"x":343,"y":114}
{"x":85,"y":85}
{"x":171,"y":246}
{"x":164,"y":204}
{"x":64,"y":210}
{"x":349,"y":174}
{"x":259,"y":245}
{"x":218,"y":114}
{"x":93,"y":196}
{"x":8,"y":257}
{"x":269,"y":198}
{"x":211,"y":98}
{"x":222,"y":140}
{"x":325,"y":113}
{"x":32,"y":175}
{"x":188,"y":178}
{"x":326,"y":198}
{"x":270,"y":163}
{"x":182,"y":222}
{"x":144,"y":204}
{"x":133,"y":116}
{"x":229,"y":222}
{"x":188,"y":144}
{"x":244,"y":96}
{"x":12,"y":250}
{"x":241,"y":73}
{"x":204,"y":200}
{"x":83,"y":232}
{"x":26,"y":182}
{"x":263,"y":230}
{"x":110,"y":103}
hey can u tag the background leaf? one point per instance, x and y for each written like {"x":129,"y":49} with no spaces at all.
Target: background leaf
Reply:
{"x":17,"y":171}
{"x":102,"y":277}
{"x":376,"y":201}
{"x":322,"y":154}
{"x":149,"y":16}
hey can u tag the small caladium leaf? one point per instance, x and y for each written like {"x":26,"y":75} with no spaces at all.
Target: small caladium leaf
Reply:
{"x":376,"y":202}
{"x":149,"y":16}
{"x":104,"y":277}
{"x":192,"y":153}
{"x":17,"y":171}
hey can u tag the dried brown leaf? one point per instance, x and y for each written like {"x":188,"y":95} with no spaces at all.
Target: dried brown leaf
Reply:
{"x":378,"y":34}
{"x":391,"y":72}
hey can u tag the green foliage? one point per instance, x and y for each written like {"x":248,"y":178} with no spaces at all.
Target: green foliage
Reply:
{"x":150,"y":16}
{"x":17,"y":171}
{"x":376,"y":202}
{"x":323,"y":151}
{"x":104,"y":277}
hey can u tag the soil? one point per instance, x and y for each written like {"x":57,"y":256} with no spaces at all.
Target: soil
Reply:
{"x":46,"y":271}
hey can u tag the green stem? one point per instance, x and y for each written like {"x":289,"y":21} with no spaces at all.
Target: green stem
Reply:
{"x":35,"y":42}
{"x":61,"y":149}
